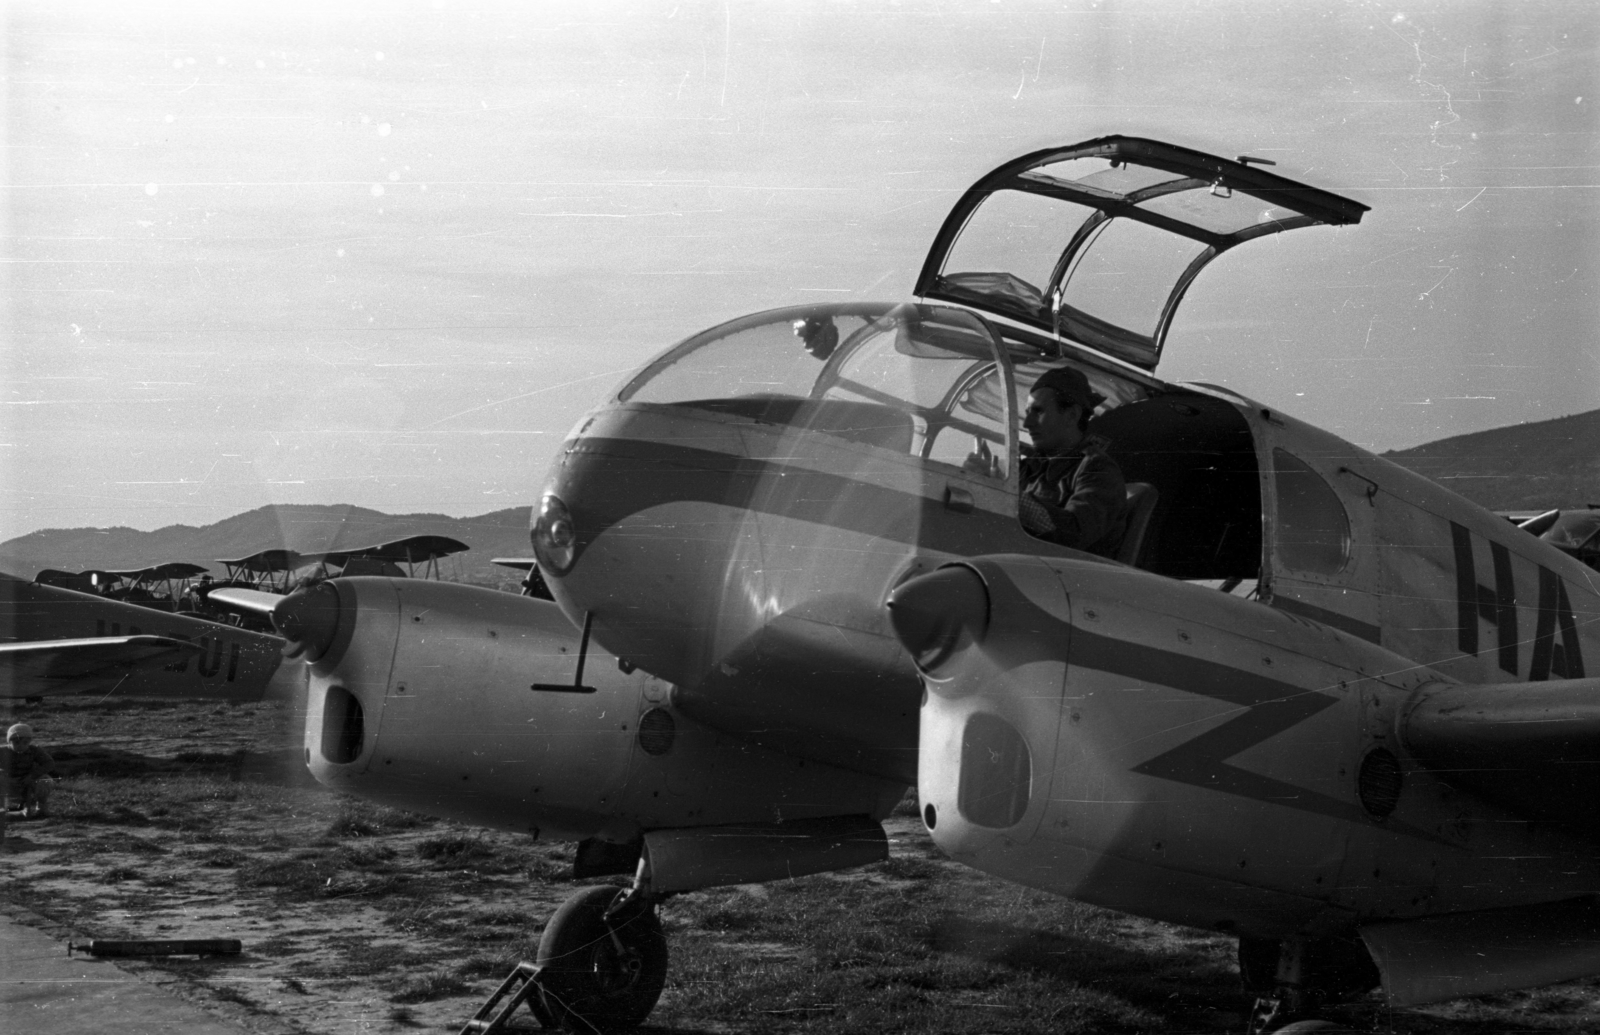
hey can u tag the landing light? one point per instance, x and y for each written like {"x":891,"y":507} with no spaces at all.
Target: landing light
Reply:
{"x":555,"y":540}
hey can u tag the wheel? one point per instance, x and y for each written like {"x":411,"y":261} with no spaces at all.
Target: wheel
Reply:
{"x":598,"y":975}
{"x":1313,"y":1027}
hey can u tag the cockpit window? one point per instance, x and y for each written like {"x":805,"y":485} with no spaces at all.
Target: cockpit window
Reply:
{"x":908,"y":378}
{"x":1313,"y":531}
{"x":1007,"y":252}
{"x":1124,"y":278}
{"x":740,"y":360}
{"x":1097,"y":243}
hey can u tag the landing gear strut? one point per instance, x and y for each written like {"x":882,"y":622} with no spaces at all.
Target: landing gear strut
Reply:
{"x":1293,"y":979}
{"x":603,"y":961}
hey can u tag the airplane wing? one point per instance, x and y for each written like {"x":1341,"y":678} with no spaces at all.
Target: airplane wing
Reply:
{"x":253,"y":600}
{"x":1532,"y":748}
{"x":41,"y":668}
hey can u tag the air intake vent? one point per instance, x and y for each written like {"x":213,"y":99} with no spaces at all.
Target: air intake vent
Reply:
{"x":995,"y":773}
{"x":1379,"y":782}
{"x":656,"y":731}
{"x":343,"y":726}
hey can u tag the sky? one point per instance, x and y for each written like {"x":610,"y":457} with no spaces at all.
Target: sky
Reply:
{"x":389,"y":253}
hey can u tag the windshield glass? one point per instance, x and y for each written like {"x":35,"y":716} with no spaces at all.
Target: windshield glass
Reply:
{"x":913,"y":379}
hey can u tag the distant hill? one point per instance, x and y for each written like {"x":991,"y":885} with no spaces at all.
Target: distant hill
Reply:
{"x":1534,"y":466}
{"x":1552,"y":463}
{"x":308,"y":529}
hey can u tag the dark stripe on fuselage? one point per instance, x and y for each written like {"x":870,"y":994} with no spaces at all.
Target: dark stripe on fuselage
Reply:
{"x":607,"y":480}
{"x":1333,"y":619}
{"x":1271,"y":707}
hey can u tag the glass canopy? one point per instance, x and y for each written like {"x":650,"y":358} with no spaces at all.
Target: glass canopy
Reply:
{"x":1097,"y":243}
{"x":918,"y":379}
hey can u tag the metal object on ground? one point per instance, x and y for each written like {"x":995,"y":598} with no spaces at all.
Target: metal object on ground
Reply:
{"x":520,"y":987}
{"x":159,"y":947}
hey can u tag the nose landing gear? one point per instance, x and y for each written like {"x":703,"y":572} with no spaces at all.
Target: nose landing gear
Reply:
{"x":603,"y":961}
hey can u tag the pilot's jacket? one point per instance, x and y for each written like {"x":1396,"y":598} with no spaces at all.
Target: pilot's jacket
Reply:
{"x":1077,"y":499}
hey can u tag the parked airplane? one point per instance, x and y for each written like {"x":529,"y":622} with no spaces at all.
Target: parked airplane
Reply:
{"x":55,"y":641}
{"x":1315,"y":700}
{"x":158,"y":586}
{"x":1573,"y":532}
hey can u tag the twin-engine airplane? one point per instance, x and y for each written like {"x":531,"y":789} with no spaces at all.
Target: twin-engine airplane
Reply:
{"x":1314,"y":700}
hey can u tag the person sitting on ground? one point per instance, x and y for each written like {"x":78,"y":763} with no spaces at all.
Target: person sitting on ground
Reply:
{"x":27,"y":769}
{"x":1072,"y":491}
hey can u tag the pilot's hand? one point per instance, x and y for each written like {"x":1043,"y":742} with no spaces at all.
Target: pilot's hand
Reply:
{"x":981,"y":460}
{"x":1035,"y":518}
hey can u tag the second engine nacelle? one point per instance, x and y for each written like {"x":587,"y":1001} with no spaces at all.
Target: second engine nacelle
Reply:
{"x":423,"y":697}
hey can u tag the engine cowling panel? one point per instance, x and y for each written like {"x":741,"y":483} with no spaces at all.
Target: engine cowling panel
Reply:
{"x":429,"y":706}
{"x":1171,"y":751}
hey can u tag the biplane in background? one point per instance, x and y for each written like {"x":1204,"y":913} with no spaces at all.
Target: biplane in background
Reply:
{"x":420,"y":554}
{"x":153,"y":632}
{"x":58,"y":640}
{"x":159,"y":586}
{"x":279,"y":571}
{"x":1575,"y":533}
{"x":1315,"y":701}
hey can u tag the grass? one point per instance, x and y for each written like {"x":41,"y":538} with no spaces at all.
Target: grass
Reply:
{"x":359,"y":917}
{"x":947,"y":956}
{"x":428,"y":989}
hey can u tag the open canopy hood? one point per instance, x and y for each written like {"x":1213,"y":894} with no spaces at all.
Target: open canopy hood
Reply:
{"x":1096,"y":243}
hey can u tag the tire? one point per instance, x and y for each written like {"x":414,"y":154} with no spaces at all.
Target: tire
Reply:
{"x":587,"y":984}
{"x":1313,"y":1027}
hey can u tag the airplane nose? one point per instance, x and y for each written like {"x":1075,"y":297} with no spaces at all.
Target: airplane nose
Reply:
{"x":308,"y":619}
{"x":936,"y":614}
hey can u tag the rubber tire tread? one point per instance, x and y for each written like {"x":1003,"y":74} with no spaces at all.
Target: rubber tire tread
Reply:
{"x":566,"y":954}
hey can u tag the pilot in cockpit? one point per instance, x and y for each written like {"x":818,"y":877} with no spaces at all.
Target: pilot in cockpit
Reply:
{"x":1072,"y":491}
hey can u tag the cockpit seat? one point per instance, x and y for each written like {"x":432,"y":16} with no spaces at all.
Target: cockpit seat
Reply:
{"x":1142,"y":497}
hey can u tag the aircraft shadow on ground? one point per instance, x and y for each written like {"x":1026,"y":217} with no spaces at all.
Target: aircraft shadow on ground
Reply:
{"x":279,"y":767}
{"x":1136,"y":976}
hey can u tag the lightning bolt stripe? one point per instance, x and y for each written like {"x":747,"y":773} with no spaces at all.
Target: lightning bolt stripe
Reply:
{"x":1271,"y":707}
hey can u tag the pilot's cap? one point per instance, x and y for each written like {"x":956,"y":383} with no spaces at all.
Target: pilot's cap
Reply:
{"x":21,"y":731}
{"x":1071,"y":385}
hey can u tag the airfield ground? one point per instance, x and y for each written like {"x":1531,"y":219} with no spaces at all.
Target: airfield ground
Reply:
{"x":186,"y":820}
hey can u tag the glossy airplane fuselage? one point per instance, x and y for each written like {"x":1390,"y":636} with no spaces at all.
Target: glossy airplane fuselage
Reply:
{"x":1427,"y":574}
{"x":747,"y":563}
{"x":1175,"y":752}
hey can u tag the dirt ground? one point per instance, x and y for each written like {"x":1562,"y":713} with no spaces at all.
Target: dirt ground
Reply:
{"x":177,"y":820}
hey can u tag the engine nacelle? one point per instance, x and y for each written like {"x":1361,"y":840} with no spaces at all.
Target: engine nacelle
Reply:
{"x":422,"y":697}
{"x":1176,"y":752}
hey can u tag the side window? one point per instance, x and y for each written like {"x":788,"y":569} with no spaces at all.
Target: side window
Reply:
{"x":972,"y":435}
{"x":1313,"y":531}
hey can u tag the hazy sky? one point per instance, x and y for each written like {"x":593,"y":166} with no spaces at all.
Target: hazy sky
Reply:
{"x":388,"y":254}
